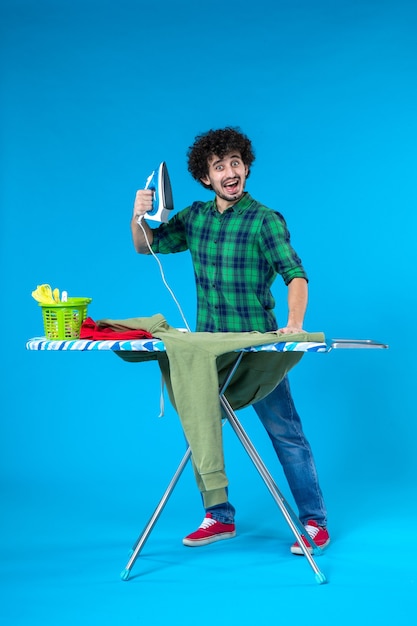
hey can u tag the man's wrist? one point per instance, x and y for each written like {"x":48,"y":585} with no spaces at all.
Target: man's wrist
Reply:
{"x":295,"y":323}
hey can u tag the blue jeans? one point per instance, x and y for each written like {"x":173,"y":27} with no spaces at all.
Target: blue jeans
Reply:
{"x":283,"y":425}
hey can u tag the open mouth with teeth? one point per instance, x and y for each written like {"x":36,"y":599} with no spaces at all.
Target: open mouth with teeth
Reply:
{"x":231,"y":186}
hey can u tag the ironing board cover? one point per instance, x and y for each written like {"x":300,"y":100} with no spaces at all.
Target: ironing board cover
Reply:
{"x":156,"y":345}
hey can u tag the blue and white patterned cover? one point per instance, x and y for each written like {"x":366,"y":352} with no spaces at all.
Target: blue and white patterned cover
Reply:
{"x":156,"y":345}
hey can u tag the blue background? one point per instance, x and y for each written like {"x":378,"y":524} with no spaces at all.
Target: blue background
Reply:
{"x":94,"y":95}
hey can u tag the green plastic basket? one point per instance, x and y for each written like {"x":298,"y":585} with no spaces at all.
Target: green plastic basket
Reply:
{"x":63,"y":320}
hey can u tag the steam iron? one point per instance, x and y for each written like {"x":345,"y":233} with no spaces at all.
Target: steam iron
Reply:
{"x":163,"y":203}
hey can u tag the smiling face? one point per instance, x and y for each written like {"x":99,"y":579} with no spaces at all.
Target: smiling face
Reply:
{"x":227,"y":177}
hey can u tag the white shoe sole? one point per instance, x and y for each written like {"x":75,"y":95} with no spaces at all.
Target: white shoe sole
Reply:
{"x":295,"y":549}
{"x":195,"y":543}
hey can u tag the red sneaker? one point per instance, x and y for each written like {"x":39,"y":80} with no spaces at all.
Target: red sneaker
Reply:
{"x":319,"y":534}
{"x":210,"y":530}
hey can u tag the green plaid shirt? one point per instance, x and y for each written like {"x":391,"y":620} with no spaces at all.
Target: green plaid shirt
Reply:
{"x":236,"y":256}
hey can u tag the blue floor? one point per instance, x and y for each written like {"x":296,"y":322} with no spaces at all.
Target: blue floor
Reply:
{"x":63,"y":551}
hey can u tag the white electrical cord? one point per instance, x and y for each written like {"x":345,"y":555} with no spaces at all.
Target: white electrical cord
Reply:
{"x":139,"y":221}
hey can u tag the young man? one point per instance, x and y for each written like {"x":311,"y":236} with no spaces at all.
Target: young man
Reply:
{"x":238,"y":246}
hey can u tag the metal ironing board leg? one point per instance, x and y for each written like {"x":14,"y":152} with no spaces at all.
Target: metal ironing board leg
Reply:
{"x":289,"y":515}
{"x":140,"y":542}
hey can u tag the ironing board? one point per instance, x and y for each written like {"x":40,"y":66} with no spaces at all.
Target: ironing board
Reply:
{"x":149,"y":348}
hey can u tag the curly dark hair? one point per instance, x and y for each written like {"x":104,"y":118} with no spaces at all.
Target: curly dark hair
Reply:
{"x":219,"y":142}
